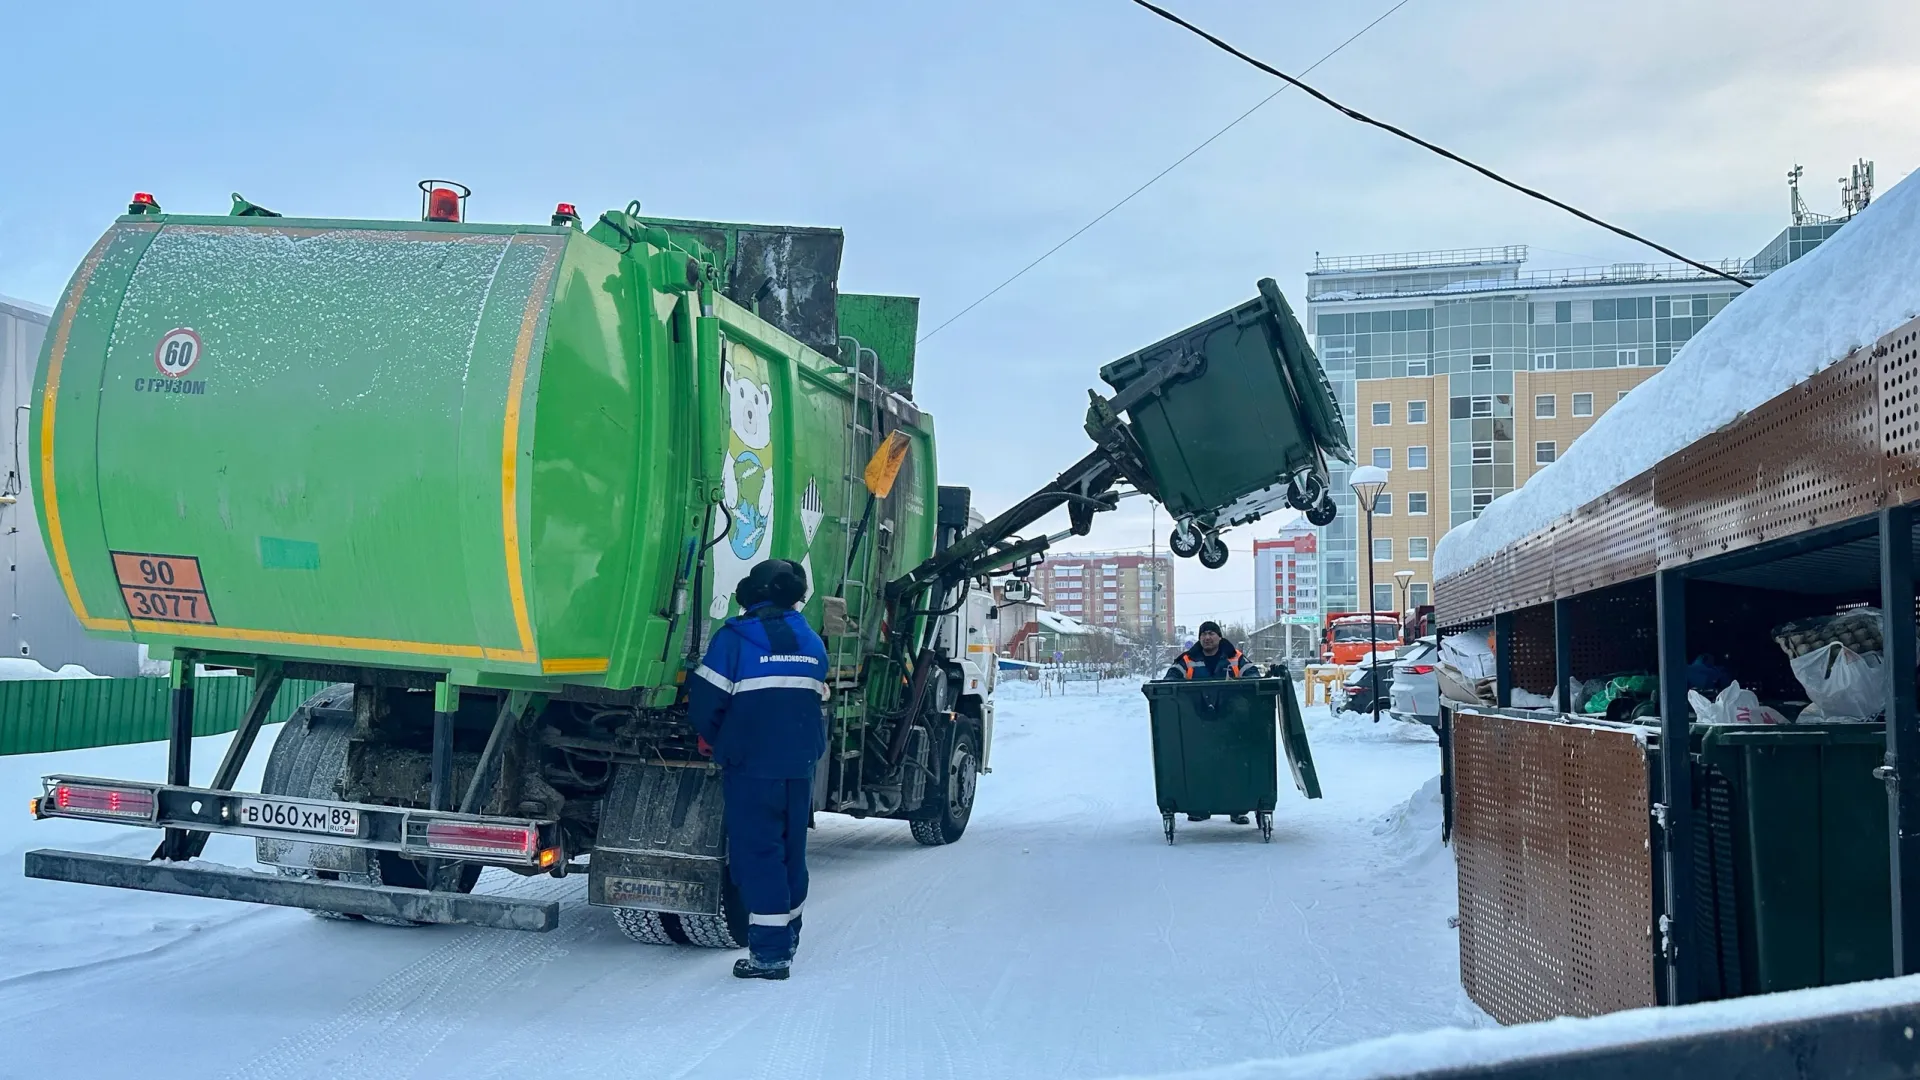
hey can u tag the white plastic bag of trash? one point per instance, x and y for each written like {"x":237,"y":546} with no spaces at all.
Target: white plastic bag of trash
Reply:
{"x":1841,"y":683}
{"x":1735,"y":705}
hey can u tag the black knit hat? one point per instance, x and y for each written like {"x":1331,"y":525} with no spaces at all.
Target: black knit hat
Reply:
{"x":782,"y":582}
{"x":1209,"y":625}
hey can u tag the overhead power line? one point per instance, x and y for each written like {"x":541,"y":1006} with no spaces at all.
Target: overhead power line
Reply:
{"x":1177,"y":162}
{"x":1355,"y":114}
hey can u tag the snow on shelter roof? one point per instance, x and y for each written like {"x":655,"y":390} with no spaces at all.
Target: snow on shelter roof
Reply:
{"x":1841,"y":296}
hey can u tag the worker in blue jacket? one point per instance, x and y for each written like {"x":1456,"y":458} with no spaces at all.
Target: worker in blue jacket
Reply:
{"x":756,"y":698}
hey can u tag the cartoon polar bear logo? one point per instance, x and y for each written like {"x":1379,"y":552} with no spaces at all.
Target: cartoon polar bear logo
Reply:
{"x":748,"y":505}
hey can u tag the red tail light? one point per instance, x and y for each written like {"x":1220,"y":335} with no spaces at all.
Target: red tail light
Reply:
{"x":89,"y":799}
{"x":1419,"y":669}
{"x":483,"y":839}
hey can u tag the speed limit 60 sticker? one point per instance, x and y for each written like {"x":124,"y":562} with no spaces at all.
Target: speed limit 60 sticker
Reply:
{"x":164,"y":588}
{"x":178,"y":351}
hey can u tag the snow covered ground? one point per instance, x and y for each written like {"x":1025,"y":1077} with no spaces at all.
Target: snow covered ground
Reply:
{"x":1061,"y":938}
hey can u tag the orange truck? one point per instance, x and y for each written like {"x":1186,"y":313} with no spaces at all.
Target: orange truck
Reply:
{"x":1344,"y":637}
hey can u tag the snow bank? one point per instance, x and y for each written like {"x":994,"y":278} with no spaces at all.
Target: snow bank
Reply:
{"x":14,"y":668}
{"x":1842,"y":296}
{"x":1451,"y":1048}
{"x":1411,"y":830}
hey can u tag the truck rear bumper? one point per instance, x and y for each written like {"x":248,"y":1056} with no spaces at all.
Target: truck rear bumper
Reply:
{"x":225,"y":883}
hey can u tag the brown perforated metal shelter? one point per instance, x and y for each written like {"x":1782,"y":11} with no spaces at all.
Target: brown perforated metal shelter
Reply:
{"x":1802,"y":504}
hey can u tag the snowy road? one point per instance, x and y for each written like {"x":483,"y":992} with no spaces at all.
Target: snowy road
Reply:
{"x":1061,"y":938}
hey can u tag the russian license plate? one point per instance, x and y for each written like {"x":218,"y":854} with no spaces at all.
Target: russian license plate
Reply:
{"x":300,"y":817}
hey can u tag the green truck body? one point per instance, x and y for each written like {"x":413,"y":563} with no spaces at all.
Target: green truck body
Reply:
{"x":492,"y":451}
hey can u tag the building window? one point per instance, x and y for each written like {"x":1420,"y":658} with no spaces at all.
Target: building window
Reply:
{"x":1482,"y":362}
{"x":1416,"y":502}
{"x":1382,"y":413}
{"x":1622,"y":396}
{"x":1629,"y":357}
{"x":1543,"y":406}
{"x":1481,"y":498}
{"x":1416,"y":412}
{"x":1383,"y":549}
{"x":1383,"y":505}
{"x":1416,"y":457}
{"x":1543,"y":453}
{"x":1543,"y":361}
{"x":1416,"y":365}
{"x":1583,"y":404}
{"x":1482,"y":453}
{"x":1382,"y":597}
{"x":1417,"y":594}
{"x":1417,"y":548}
{"x":1383,"y":456}
{"x":1480,"y":407}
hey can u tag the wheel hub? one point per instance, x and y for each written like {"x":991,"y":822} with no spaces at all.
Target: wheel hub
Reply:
{"x":960,"y":787}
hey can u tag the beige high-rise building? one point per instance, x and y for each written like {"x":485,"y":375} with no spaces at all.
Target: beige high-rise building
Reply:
{"x":1465,"y":374}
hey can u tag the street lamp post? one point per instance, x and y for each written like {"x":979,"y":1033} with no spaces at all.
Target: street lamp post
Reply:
{"x":1368,"y":481}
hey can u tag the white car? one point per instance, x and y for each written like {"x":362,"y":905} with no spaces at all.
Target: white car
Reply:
{"x":1416,"y":689}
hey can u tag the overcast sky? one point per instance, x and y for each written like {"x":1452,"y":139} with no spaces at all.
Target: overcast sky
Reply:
{"x":955,"y":142}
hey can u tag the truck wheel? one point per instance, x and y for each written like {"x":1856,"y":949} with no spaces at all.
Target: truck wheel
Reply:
{"x":644,"y":927}
{"x":309,"y":759}
{"x":727,"y":930}
{"x":953,"y":802}
{"x":1213,"y":552}
{"x":1184,"y":541}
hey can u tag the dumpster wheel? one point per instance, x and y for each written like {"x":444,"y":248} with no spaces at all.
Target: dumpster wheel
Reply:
{"x":1213,"y":551}
{"x":1184,"y":541}
{"x":1166,"y":820}
{"x":1264,"y":819}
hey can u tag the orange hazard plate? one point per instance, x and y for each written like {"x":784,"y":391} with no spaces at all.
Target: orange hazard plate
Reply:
{"x":164,"y":588}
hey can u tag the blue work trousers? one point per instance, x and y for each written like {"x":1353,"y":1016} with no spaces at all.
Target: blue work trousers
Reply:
{"x":767,"y":856}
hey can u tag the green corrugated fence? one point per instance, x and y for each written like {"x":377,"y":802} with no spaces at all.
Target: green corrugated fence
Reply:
{"x":38,"y":716}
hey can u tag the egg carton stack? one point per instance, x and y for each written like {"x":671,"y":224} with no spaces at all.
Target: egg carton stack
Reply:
{"x":1858,"y":629}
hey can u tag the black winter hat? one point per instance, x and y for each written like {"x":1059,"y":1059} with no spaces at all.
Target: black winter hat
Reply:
{"x":782,"y":582}
{"x":1209,"y":625}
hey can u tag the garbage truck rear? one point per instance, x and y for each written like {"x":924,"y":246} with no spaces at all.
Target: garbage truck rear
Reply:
{"x":496,"y":484}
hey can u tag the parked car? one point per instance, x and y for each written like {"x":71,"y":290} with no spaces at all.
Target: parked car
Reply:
{"x":1416,"y":688}
{"x":1357,"y":693}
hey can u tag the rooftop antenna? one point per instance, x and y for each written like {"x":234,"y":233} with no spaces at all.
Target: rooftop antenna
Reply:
{"x":1856,"y":191}
{"x":1798,"y":205}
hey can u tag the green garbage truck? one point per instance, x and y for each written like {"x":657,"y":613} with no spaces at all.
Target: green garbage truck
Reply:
{"x":495,"y":484}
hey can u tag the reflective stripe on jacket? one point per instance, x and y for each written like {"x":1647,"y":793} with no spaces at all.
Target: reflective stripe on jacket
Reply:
{"x":1223,"y":664}
{"x":756,"y":695}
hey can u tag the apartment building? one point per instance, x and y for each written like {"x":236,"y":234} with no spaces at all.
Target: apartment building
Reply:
{"x":1125,"y":591}
{"x":1286,"y":575}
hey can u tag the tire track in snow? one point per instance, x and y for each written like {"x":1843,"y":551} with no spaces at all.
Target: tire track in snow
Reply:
{"x":384,"y":1026}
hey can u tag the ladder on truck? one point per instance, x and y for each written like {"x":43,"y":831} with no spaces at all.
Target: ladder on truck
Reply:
{"x":847,"y":649}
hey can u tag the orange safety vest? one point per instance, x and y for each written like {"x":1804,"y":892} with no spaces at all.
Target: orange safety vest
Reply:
{"x":1233,"y":664}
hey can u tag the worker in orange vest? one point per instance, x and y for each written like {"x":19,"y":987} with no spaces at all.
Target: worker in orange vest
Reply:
{"x":1212,"y":657}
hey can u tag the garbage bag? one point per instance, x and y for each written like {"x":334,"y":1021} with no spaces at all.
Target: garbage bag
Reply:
{"x":1735,"y":705}
{"x":1621,"y":688}
{"x":1841,"y":682}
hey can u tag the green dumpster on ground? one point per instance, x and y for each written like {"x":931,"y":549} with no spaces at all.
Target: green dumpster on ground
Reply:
{"x":1792,"y":858}
{"x":1214,"y":747}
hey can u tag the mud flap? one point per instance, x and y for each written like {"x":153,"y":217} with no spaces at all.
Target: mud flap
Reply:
{"x":662,"y":843}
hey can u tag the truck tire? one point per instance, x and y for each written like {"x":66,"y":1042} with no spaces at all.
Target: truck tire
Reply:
{"x":727,"y":930}
{"x":644,"y":927}
{"x":309,"y":759}
{"x":951,"y":795}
